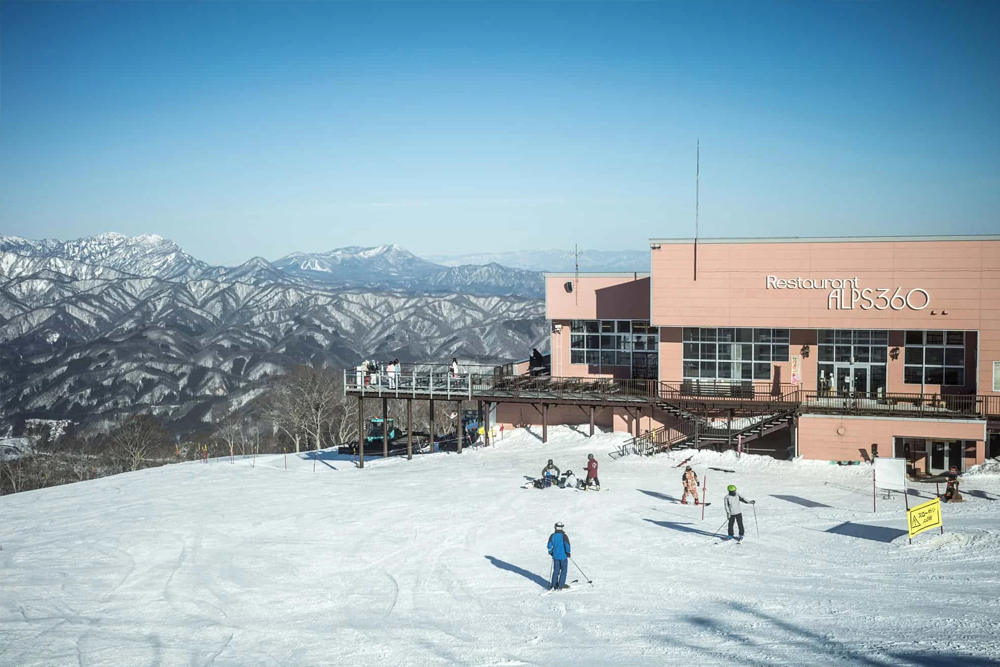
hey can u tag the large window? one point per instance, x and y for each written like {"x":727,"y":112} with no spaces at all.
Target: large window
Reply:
{"x":611,"y":342}
{"x":733,"y":354}
{"x":934,"y":357}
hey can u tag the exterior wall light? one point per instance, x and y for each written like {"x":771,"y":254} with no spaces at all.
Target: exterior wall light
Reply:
{"x":568,"y":286}
{"x":804,"y":351}
{"x":894,"y":353}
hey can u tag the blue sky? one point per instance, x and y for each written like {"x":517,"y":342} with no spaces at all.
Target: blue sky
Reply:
{"x":263,"y":128}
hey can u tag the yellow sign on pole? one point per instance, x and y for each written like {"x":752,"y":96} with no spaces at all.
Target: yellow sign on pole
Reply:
{"x":924,"y":517}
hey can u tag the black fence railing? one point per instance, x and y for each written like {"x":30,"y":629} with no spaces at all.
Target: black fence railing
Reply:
{"x":441,"y":381}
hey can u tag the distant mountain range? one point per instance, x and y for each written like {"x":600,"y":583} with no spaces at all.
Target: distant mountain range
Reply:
{"x":389,"y":266}
{"x":554,"y":260}
{"x":111,"y":324}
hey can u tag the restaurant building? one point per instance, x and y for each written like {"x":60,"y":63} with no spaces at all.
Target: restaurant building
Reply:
{"x":825,"y":348}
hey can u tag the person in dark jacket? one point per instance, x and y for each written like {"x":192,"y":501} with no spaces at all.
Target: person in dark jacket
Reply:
{"x":951,"y":486}
{"x":734,"y":511}
{"x":592,"y":473}
{"x":559,"y":549}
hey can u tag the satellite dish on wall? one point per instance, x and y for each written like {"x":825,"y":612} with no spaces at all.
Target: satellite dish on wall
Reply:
{"x":568,"y":286}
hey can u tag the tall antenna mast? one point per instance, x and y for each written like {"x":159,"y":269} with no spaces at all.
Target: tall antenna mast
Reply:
{"x":697,"y":177}
{"x":576,"y":273}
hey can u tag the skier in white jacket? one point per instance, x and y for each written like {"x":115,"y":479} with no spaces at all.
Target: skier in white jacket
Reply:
{"x":734,"y":511}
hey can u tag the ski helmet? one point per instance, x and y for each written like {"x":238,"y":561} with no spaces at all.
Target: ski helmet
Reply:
{"x":590,"y":456}
{"x":731,"y":488}
{"x":688,"y":468}
{"x":559,"y":525}
{"x":550,"y":461}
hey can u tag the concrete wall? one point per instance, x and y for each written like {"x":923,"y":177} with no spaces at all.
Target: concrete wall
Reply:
{"x":962,"y":279}
{"x":608,"y":296}
{"x":841,"y":438}
{"x":619,"y":296}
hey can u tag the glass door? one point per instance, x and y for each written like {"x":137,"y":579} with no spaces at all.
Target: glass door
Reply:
{"x":843,"y":384}
{"x":956,"y":452}
{"x":860,"y":379}
{"x":938,"y":457}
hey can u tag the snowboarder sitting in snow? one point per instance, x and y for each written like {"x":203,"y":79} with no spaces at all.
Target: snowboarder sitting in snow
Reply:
{"x":690,"y":481}
{"x":951,"y":493}
{"x":559,"y":549}
{"x":550,"y":473}
{"x":592,"y":473}
{"x":568,"y":480}
{"x":735,"y":512}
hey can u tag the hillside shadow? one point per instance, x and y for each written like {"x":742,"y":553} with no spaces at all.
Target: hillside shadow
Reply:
{"x":866,"y":532}
{"x":531,"y":576}
{"x":799,"y":500}
{"x":325,"y":457}
{"x":661,"y":496}
{"x":767,"y":639}
{"x":682,"y":527}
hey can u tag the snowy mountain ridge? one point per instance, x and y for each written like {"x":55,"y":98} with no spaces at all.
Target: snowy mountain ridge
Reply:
{"x":90,"y":331}
{"x":555,"y":260}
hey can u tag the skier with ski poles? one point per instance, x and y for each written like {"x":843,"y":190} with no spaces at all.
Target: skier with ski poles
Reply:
{"x":592,"y":473}
{"x":690,"y":481}
{"x":559,"y":549}
{"x":734,"y":512}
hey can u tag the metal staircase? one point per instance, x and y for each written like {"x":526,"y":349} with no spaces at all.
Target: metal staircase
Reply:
{"x":699,"y":431}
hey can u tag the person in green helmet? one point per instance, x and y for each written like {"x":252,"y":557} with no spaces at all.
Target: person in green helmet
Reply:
{"x":734,"y":511}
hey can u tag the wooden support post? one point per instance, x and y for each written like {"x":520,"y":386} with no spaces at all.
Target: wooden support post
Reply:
{"x":385,"y":428}
{"x":545,"y":423}
{"x":637,"y":423}
{"x":591,"y":421}
{"x":461,"y":430}
{"x":486,"y":425}
{"x":361,"y":432}
{"x":431,"y":427}
{"x":729,"y":429}
{"x":409,"y":429}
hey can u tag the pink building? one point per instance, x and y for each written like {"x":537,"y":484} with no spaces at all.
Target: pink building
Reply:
{"x":819,"y":347}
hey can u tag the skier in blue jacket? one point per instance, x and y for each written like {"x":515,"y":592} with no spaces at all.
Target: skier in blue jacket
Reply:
{"x":559,"y":549}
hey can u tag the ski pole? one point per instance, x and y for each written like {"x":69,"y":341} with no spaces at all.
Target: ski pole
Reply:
{"x":755,"y":524}
{"x":552,"y":570}
{"x":582,"y":572}
{"x":719,"y":528}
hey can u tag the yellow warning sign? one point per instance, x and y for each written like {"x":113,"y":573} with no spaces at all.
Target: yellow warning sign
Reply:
{"x":924,"y":517}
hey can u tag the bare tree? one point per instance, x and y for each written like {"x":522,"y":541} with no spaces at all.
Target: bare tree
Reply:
{"x":307,"y":402}
{"x":135,"y":439}
{"x":281,"y":408}
{"x":230,"y":431}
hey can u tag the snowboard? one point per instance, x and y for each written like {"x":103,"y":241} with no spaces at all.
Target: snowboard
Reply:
{"x":722,"y":469}
{"x":677,"y":502}
{"x":684,"y":461}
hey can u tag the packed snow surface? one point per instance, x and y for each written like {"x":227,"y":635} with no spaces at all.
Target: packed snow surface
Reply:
{"x":441,"y":561}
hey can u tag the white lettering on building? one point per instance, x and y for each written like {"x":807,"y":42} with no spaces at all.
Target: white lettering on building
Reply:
{"x":847,"y":294}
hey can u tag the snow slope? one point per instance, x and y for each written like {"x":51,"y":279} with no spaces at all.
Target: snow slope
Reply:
{"x":441,"y":561}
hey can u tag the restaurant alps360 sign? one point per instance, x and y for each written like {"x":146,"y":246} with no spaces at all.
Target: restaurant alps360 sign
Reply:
{"x":846,"y":294}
